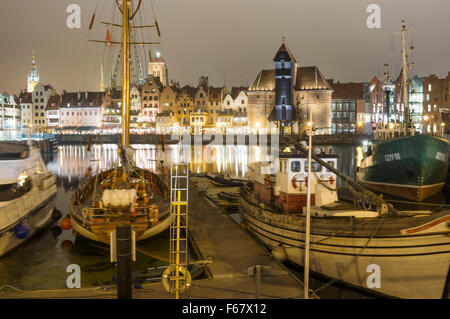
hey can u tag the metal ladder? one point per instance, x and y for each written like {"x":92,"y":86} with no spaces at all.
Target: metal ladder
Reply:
{"x":178,"y":259}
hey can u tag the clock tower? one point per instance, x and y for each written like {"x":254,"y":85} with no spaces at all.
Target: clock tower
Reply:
{"x":33,"y":76}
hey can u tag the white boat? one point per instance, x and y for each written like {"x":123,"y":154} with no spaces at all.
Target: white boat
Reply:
{"x":410,"y":249}
{"x":27,"y":195}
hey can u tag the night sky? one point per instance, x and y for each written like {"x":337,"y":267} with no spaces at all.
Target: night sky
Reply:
{"x":228,"y":41}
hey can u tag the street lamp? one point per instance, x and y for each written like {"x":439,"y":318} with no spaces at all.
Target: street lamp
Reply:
{"x":308,"y":205}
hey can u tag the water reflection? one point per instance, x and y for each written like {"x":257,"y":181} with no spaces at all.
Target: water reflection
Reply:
{"x":71,"y":161}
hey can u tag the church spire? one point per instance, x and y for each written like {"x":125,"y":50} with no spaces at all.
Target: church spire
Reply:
{"x":33,"y":76}
{"x":33,"y":60}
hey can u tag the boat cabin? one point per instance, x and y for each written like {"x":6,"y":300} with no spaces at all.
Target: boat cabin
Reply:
{"x":284,"y":185}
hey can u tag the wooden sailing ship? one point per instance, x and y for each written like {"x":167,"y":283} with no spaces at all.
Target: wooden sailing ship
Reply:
{"x":126,"y":193}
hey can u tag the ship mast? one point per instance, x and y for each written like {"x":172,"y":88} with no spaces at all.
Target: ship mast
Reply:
{"x":405,"y":71}
{"x":126,"y":8}
{"x":126,"y":11}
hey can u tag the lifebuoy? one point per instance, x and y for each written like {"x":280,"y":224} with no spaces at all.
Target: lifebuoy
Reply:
{"x":185,"y":285}
{"x":294,"y":182}
{"x":331,"y":180}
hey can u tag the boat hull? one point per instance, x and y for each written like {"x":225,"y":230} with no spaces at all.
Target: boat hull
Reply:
{"x":415,"y":193}
{"x":413,"y":255}
{"x":37,"y":220}
{"x":412,"y":167}
{"x":99,"y":228}
{"x":104,"y":238}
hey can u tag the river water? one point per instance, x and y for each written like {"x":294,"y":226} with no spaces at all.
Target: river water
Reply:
{"x":41,"y":263}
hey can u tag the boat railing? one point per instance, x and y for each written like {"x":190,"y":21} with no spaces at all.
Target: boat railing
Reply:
{"x":97,"y":213}
{"x":386,"y":131}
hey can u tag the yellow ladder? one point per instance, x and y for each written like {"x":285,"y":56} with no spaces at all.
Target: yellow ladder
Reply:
{"x":178,"y":259}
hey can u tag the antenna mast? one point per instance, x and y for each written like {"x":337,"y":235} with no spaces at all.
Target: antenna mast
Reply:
{"x":405,"y":70}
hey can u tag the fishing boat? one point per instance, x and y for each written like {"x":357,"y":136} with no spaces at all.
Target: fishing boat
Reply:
{"x":400,"y":161}
{"x":126,"y":193}
{"x":413,"y":167}
{"x":27,"y":195}
{"x":411,"y":250}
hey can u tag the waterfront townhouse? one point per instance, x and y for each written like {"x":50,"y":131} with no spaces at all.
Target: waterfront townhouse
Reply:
{"x":26,"y":105}
{"x":81,"y":110}
{"x":10,"y":112}
{"x":236,"y":100}
{"x":436,"y":105}
{"x":150,"y":93}
{"x":135,"y":106}
{"x":198,"y":121}
{"x":349,"y":106}
{"x":214,"y":105}
{"x":112,"y":109}
{"x":165,"y":123}
{"x":52,"y":111}
{"x":168,"y":99}
{"x":184,"y":105}
{"x":236,"y":103}
{"x":224,"y":122}
{"x":201,"y":98}
{"x":415,"y":101}
{"x":40,"y":97}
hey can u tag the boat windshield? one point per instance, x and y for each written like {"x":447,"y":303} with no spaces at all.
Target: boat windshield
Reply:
{"x":15,"y":190}
{"x":12,"y":151}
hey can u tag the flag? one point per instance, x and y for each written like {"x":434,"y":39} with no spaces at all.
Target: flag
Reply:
{"x":108,"y":38}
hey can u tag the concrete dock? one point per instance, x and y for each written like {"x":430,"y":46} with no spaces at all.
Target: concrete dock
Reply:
{"x":232,"y":252}
{"x":216,"y":237}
